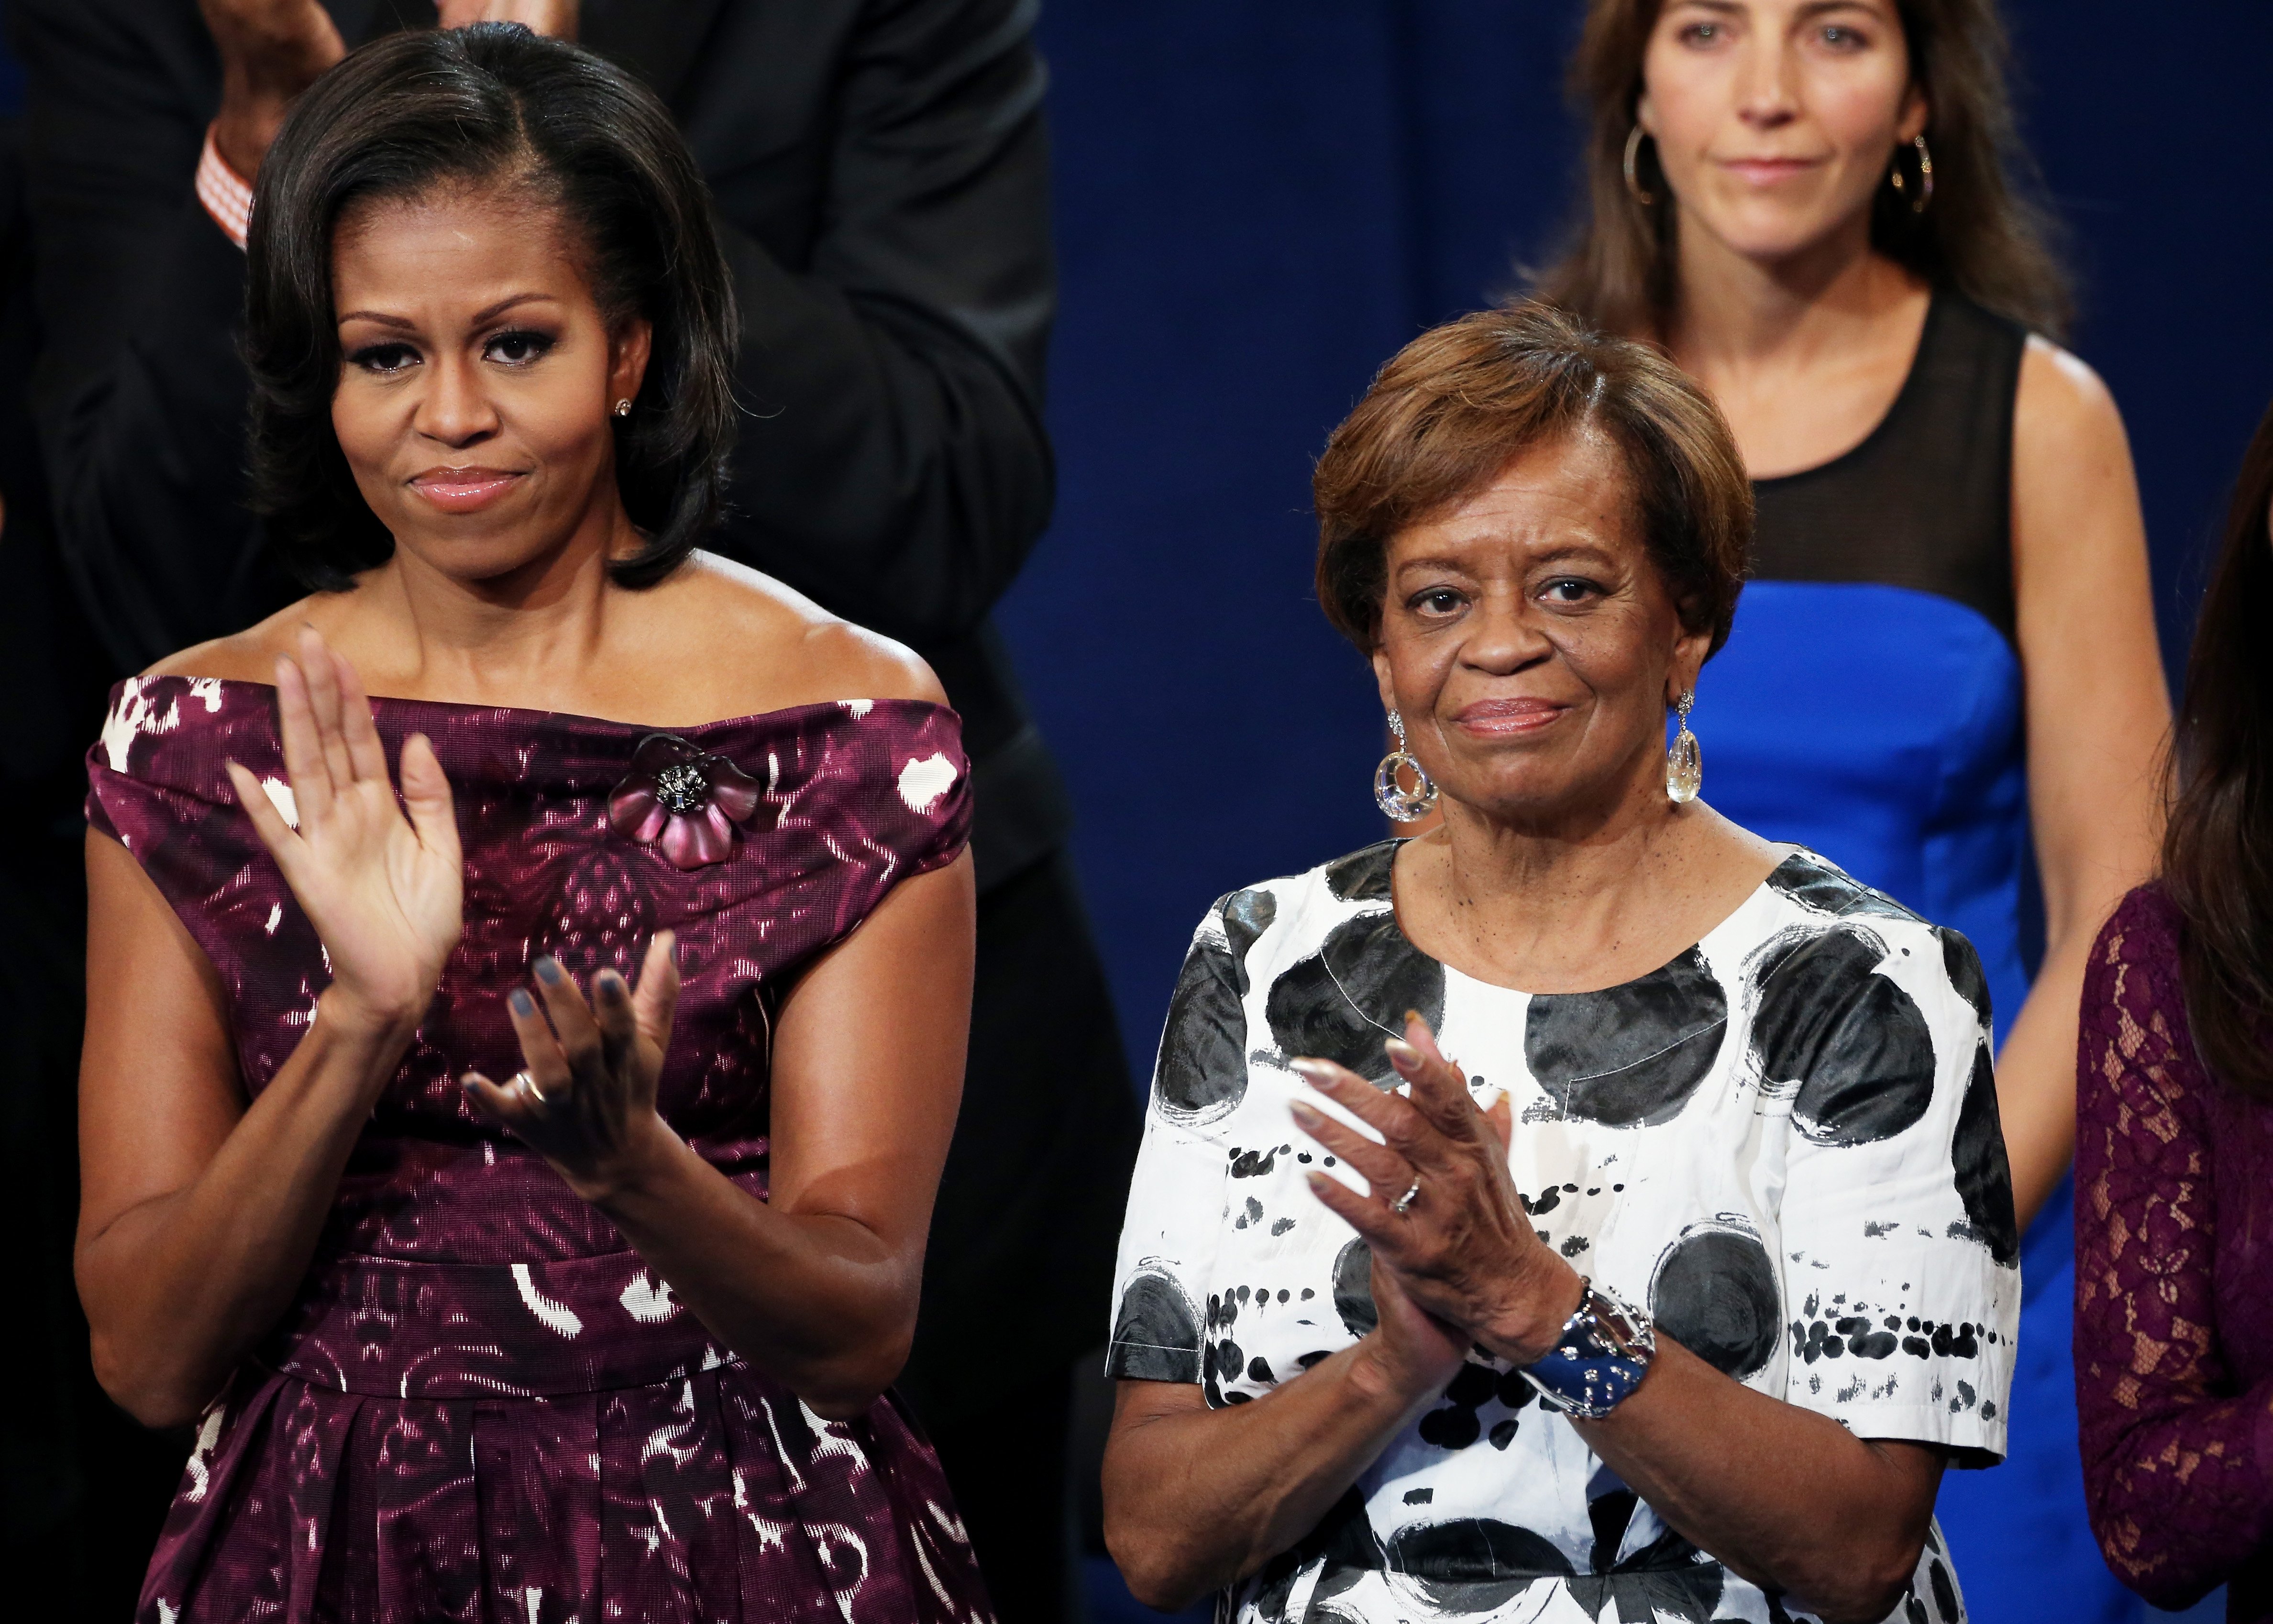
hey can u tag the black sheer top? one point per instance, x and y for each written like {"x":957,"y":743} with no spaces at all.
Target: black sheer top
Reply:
{"x":1926,"y":500}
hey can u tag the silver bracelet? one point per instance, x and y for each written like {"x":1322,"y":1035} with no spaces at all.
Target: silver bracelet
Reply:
{"x":1599,"y":1358}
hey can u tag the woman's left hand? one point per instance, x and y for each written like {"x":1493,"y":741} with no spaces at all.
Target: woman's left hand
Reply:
{"x":1464,"y":1248}
{"x":586,"y":1099}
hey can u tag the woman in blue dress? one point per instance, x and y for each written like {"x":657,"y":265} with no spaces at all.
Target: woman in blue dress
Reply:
{"x":1944,"y":675}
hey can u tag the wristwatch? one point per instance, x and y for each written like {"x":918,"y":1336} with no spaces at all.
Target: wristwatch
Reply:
{"x":1599,"y":1358}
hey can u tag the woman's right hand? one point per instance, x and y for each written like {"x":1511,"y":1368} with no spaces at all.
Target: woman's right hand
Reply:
{"x":383,"y":890}
{"x":270,"y":51}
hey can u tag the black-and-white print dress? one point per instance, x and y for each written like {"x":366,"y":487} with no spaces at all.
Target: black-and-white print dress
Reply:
{"x":1784,"y":1143}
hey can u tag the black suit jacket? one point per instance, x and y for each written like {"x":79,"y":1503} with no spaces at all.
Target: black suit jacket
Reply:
{"x":882,"y":173}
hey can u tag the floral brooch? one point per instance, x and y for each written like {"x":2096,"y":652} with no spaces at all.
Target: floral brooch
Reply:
{"x":684,"y":800}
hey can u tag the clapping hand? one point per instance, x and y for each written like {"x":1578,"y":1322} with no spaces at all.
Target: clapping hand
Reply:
{"x":382,"y":882}
{"x":1443,"y":1216}
{"x":271,"y":50}
{"x":586,"y":1098}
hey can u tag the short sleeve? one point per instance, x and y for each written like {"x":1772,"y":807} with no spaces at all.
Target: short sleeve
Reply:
{"x":883,"y":784}
{"x":1900,"y":1248}
{"x":1176,"y":1199}
{"x":158,"y":784}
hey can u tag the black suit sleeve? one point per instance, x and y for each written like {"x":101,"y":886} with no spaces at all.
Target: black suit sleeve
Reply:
{"x":895,"y":467}
{"x":140,"y":395}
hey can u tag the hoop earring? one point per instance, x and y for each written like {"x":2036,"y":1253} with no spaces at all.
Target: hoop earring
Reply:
{"x":1395,"y":800}
{"x":1648,"y":200}
{"x":1925,"y":177}
{"x":1684,"y":768}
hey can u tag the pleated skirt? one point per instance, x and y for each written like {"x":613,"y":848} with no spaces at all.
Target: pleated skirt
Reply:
{"x":458,"y":1490}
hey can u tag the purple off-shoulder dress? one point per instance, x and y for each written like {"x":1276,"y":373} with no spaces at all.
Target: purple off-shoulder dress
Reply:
{"x":482,"y":1405}
{"x":2173,"y":1284}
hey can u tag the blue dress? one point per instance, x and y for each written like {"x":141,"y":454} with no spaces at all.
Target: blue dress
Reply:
{"x":1868,"y":705}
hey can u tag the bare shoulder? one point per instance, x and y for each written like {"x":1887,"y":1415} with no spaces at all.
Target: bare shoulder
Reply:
{"x":2075,"y":496}
{"x":781,"y":648}
{"x":2063,"y":408}
{"x":249,"y":656}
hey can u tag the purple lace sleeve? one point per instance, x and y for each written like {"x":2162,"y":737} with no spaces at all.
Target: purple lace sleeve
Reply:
{"x":2172,"y":1453}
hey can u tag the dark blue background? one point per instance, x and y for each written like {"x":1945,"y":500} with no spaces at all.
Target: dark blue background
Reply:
{"x":1258,"y":203}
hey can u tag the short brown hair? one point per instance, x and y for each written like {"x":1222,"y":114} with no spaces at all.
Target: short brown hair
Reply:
{"x":1463,"y":400}
{"x":1983,"y":236}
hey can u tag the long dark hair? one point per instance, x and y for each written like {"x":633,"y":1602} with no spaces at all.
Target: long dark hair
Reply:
{"x":493,"y":101}
{"x":2217,"y":849}
{"x":1982,"y":236}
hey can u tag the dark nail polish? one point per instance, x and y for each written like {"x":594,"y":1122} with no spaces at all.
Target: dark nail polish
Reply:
{"x":521,"y":1004}
{"x":548,"y":972}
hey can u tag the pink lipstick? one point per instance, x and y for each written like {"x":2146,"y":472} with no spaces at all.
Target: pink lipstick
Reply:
{"x":1767,"y":171}
{"x":463,"y":491}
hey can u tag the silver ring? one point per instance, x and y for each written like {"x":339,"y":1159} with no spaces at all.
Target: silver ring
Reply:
{"x":1404,"y":1203}
{"x":527,"y":1084}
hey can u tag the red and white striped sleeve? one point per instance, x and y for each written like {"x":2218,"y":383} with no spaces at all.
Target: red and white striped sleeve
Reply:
{"x":224,"y":192}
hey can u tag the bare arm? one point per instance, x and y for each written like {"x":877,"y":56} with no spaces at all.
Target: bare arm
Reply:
{"x":198,"y":1213}
{"x":817,"y":1286}
{"x":1789,"y":1499}
{"x":1196,"y":1499}
{"x":2098,"y":715}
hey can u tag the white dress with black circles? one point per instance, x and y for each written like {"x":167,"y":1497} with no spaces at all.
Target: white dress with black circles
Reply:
{"x":1784,"y":1143}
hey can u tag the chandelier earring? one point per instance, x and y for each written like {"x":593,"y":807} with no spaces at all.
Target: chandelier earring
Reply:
{"x":1684,"y":768}
{"x":1632,"y":166}
{"x":1926,"y":176}
{"x":1390,"y":794}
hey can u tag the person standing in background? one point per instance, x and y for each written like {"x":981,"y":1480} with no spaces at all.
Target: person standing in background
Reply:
{"x":54,"y":676}
{"x":2174,"y":1083}
{"x":881,"y":177}
{"x":1945,"y":676}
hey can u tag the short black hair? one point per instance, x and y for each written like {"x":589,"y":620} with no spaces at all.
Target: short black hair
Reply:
{"x":492,"y":102}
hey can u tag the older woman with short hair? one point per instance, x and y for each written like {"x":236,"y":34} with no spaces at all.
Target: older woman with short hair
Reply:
{"x":1587,"y":1202}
